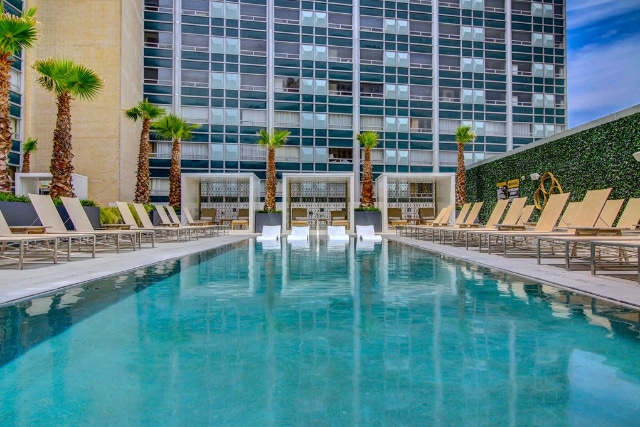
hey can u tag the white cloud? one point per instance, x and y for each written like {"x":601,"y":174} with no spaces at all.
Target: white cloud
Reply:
{"x":604,"y":78}
{"x":583,"y":13}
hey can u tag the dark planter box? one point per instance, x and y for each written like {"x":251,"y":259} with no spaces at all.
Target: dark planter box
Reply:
{"x":267,"y":219}
{"x":19,"y":214}
{"x":368,"y":218}
{"x":93,"y":212}
{"x":23,"y":214}
{"x":155,"y":218}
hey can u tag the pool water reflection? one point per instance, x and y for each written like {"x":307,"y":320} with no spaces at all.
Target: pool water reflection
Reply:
{"x":318,"y":334}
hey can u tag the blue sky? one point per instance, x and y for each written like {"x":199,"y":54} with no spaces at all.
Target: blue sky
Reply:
{"x":603,"y":57}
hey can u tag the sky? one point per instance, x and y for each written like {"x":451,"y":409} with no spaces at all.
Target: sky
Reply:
{"x":603,"y":57}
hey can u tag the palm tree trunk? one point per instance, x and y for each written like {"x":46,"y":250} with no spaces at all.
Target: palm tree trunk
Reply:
{"x":26,"y":163}
{"x":270,"y":190}
{"x":61,"y":167}
{"x":142,"y":176}
{"x":461,"y":177}
{"x":5,"y":122}
{"x":366,"y":199}
{"x":175,"y":195}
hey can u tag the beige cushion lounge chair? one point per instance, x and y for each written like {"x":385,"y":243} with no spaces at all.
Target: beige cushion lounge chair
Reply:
{"x":584,"y":219}
{"x":105,"y":238}
{"x":299,"y":217}
{"x":145,"y":221}
{"x":394,"y":217}
{"x":16,"y":247}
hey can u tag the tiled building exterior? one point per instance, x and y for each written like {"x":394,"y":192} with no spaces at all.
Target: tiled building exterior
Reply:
{"x":327,"y":69}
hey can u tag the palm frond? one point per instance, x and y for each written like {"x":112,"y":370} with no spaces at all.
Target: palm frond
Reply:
{"x":30,"y":145}
{"x":18,"y":32}
{"x":368,"y":139}
{"x":172,"y":127}
{"x":83,"y":83}
{"x":464,"y":134}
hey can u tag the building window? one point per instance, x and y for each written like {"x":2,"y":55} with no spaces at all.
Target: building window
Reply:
{"x":449,"y":126}
{"x":340,"y":21}
{"x":253,"y":117}
{"x":253,"y":82}
{"x":421,"y":125}
{"x":374,"y":123}
{"x":287,"y":84}
{"x":286,"y":119}
{"x":286,"y":16}
{"x":253,"y":47}
{"x":194,"y":78}
{"x":340,"y":155}
{"x":337,"y":87}
{"x":371,"y":56}
{"x":371,"y":90}
{"x":340,"y":121}
{"x":253,"y":12}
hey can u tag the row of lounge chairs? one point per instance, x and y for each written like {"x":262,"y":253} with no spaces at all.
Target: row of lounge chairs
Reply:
{"x":54,"y":239}
{"x":579,"y":232}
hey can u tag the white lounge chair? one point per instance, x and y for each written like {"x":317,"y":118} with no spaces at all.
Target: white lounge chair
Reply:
{"x":298,"y":234}
{"x":271,"y":245}
{"x":337,"y":233}
{"x":367,"y":232}
{"x":269,"y":233}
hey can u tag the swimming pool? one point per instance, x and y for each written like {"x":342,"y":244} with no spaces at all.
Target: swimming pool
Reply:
{"x":318,"y":335}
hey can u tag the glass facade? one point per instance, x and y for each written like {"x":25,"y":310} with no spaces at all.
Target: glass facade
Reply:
{"x":413,"y":71}
{"x":15,"y":95}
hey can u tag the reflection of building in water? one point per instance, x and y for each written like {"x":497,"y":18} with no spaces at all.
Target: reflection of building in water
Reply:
{"x":317,"y":269}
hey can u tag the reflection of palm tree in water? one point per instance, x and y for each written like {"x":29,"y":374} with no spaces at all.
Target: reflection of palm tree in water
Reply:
{"x":270,"y":281}
{"x":367,"y":277}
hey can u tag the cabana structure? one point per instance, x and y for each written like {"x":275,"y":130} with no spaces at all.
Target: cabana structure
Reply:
{"x":319,"y":194}
{"x":407,"y":193}
{"x":229,"y":194}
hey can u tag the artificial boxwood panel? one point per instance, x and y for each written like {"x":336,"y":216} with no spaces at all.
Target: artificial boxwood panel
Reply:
{"x":599,"y":157}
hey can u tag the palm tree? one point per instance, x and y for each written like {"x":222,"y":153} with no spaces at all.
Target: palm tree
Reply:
{"x":30,"y":146}
{"x":464,"y":135}
{"x":147,"y":112}
{"x":176,"y":129}
{"x":368,"y":140}
{"x":272,"y":141}
{"x":16,"y":33}
{"x":67,"y":80}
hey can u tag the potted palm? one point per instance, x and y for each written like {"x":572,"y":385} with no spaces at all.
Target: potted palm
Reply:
{"x":30,"y":146}
{"x":269,"y":215}
{"x":464,"y":135}
{"x":147,"y":113}
{"x":66,"y":80}
{"x":177,"y":130}
{"x":368,"y":213}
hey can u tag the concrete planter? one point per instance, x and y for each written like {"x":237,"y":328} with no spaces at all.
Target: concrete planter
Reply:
{"x":263,"y":218}
{"x":368,"y":218}
{"x":23,"y":214}
{"x":19,"y":214}
{"x":93,"y":212}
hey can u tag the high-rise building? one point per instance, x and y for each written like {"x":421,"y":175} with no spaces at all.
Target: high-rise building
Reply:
{"x":412,"y":70}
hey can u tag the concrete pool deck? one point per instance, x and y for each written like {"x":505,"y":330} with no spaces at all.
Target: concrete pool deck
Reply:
{"x":46,"y":277}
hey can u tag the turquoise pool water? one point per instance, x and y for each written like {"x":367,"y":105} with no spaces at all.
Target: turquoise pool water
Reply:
{"x":318,"y":336}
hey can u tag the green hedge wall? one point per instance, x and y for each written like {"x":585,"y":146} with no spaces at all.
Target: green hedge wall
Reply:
{"x":598,"y":157}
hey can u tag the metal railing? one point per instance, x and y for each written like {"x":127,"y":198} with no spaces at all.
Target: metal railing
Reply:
{"x":253,"y":18}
